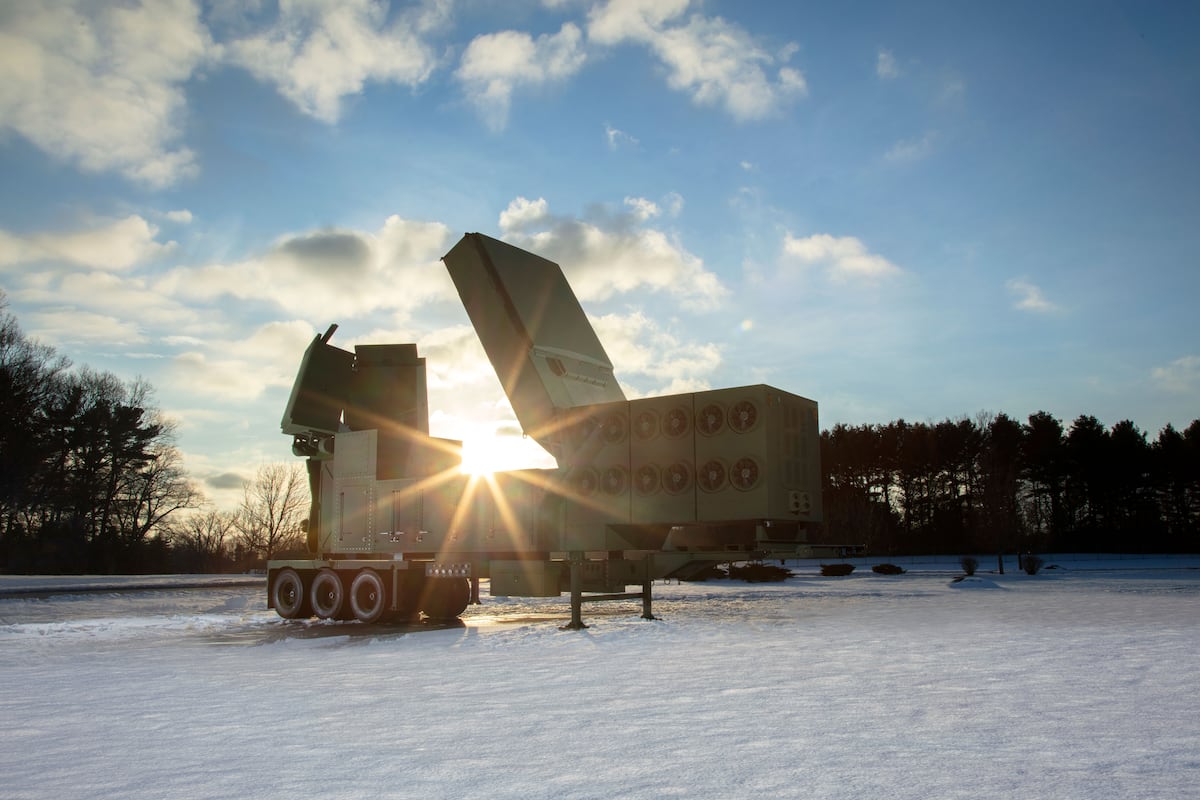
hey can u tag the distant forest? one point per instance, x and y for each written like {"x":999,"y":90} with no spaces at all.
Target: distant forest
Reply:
{"x":88,"y":468}
{"x":91,"y":481}
{"x":996,"y":485}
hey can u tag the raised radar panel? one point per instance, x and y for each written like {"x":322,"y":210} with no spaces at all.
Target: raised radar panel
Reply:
{"x":319,"y":392}
{"x":534,"y":332}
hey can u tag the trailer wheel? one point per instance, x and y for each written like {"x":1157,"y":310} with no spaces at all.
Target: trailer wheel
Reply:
{"x":328,"y":595}
{"x":288,"y":595}
{"x":445,"y":598}
{"x":368,"y":598}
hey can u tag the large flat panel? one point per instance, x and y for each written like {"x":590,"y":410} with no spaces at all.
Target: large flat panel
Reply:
{"x":534,"y":331}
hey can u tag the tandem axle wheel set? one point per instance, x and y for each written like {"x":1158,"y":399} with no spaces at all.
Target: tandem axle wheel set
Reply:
{"x":366,"y":594}
{"x":372,"y":594}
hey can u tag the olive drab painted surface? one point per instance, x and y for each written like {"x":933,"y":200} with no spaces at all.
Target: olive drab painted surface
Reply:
{"x":644,"y":488}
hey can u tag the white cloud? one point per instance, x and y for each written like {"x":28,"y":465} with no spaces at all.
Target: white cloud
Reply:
{"x":242,"y":368}
{"x":640,"y":347}
{"x":642,"y":208}
{"x":909,"y":150}
{"x":496,"y":64}
{"x":116,"y":245}
{"x":522,"y":213}
{"x":99,"y":85}
{"x":182,"y":216}
{"x":70,"y":326}
{"x":129,"y":298}
{"x":334,"y":272}
{"x":844,"y":258}
{"x":1029,"y":297}
{"x":612,"y":255}
{"x":618,"y":138}
{"x":454,"y":359}
{"x":716,"y":62}
{"x":1181,"y":376}
{"x":316,"y":54}
{"x":885,"y":65}
{"x":639,"y":20}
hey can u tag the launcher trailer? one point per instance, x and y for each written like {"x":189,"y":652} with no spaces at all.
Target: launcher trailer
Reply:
{"x":644,"y":489}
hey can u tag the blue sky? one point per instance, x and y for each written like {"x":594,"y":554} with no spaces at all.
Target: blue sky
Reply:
{"x":917,"y":211}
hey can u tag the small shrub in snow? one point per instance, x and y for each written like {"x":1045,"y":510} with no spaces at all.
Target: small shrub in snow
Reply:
{"x":836,"y":569}
{"x":714,"y":572}
{"x":1031,"y":564}
{"x":759,"y":573}
{"x":888,"y":569}
{"x":969,"y":564}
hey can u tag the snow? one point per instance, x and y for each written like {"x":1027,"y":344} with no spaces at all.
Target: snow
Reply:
{"x":1079,"y":682}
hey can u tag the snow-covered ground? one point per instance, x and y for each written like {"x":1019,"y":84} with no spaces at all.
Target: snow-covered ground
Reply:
{"x":1080,"y":682}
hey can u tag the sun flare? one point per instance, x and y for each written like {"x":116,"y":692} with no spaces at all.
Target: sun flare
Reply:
{"x":487,"y":452}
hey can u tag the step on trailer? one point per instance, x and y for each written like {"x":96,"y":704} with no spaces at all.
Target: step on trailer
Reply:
{"x":652,"y":488}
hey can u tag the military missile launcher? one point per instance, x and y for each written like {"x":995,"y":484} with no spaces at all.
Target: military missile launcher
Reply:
{"x":644,"y":489}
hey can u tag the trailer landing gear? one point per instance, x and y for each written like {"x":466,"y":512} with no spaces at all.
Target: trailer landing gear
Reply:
{"x":578,"y":598}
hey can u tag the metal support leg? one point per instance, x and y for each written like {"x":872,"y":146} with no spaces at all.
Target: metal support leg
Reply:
{"x":475,"y":591}
{"x":647,"y":584}
{"x":576,"y":623}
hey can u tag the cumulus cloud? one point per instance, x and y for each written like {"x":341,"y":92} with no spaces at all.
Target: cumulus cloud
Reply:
{"x":332,"y":272}
{"x":494,"y":65}
{"x":844,"y":258}
{"x":128,"y":297}
{"x":642,"y":208}
{"x":455,"y":360}
{"x":642,"y":350}
{"x":885,"y":65}
{"x":614,"y":254}
{"x":716,"y":62}
{"x":316,"y":54}
{"x":116,"y":245}
{"x":85,"y":288}
{"x":1181,"y":376}
{"x":64,"y":326}
{"x":242,"y":368}
{"x":1029,"y":297}
{"x":100,"y":85}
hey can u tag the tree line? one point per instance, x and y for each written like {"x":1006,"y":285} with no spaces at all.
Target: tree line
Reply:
{"x":993,"y":484}
{"x":91,"y":480}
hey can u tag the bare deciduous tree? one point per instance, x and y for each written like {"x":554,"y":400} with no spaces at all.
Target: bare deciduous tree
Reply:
{"x":273,"y":504}
{"x":201,"y":540}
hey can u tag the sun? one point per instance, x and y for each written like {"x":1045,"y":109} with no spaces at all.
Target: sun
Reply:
{"x":483,"y":455}
{"x":487,"y":452}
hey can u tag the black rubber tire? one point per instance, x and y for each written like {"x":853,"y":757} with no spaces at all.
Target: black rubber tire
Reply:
{"x":368,"y":597}
{"x":328,"y":595}
{"x":445,"y":598}
{"x":288,"y":595}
